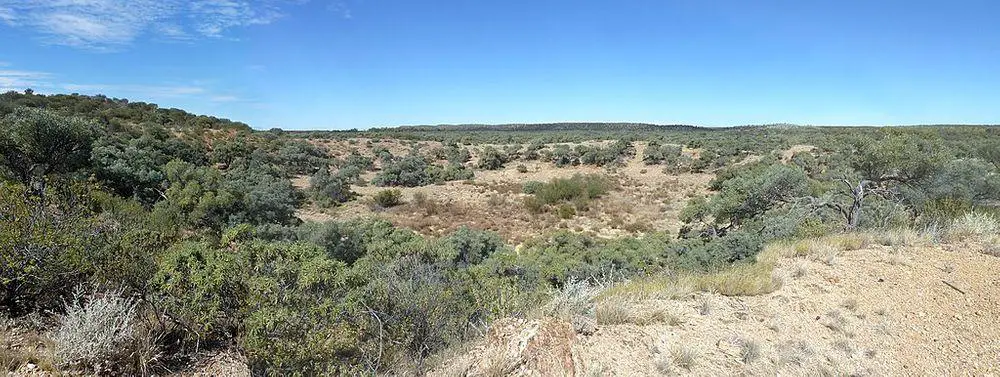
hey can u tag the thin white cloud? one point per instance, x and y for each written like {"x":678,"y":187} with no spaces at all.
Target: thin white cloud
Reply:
{"x":44,"y":82}
{"x":137,"y":91}
{"x":224,"y":98}
{"x":19,"y":80}
{"x":7,"y":15}
{"x":110,"y":24}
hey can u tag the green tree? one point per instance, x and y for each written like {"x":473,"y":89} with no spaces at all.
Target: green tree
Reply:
{"x":35,"y":143}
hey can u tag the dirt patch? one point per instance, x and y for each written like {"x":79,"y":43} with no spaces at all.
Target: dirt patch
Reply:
{"x":878,"y":310}
{"x":873,"y":311}
{"x":646,"y":199}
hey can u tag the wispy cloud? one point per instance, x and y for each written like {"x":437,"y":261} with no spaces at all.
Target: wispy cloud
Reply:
{"x":111,"y":24}
{"x":18,"y":80}
{"x":341,"y":8}
{"x":44,"y":82}
{"x":137,"y":91}
{"x":224,"y":98}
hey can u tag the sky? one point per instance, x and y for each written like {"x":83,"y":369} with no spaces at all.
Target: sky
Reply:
{"x":339,"y":64}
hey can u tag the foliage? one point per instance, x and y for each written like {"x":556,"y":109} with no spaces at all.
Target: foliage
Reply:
{"x":99,"y":333}
{"x":491,"y":159}
{"x":410,"y":171}
{"x":745,"y":195}
{"x":35,"y":143}
{"x":388,"y":198}
{"x":332,"y":189}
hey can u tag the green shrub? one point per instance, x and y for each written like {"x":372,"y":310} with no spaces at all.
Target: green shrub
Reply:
{"x":534,"y":205}
{"x":388,"y":198}
{"x":566,"y":211}
{"x":329,"y":190}
{"x":532,"y":187}
{"x":578,"y":187}
{"x":451,"y":172}
{"x":491,"y":159}
{"x":411,"y":171}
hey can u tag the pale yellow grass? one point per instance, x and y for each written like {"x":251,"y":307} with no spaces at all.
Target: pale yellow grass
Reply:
{"x":757,"y":278}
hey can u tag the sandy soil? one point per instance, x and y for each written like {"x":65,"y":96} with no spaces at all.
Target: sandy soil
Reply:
{"x":880,"y":310}
{"x":646,"y":199}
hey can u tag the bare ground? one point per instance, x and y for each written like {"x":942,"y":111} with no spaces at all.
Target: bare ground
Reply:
{"x":646,"y":199}
{"x":923,"y":309}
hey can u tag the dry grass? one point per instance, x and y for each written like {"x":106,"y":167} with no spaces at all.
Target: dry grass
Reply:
{"x":749,"y":350}
{"x":500,"y":363}
{"x":102,"y":332}
{"x":617,"y":312}
{"x":746,"y":279}
{"x":684,"y":357}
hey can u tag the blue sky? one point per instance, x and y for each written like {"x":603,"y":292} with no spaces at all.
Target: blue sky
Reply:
{"x":333,"y":64}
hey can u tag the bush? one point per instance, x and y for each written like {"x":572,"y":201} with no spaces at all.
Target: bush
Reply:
{"x":532,"y":187}
{"x":522,"y":169}
{"x":583,"y":187}
{"x":388,"y":198}
{"x":328,"y":190}
{"x":100,"y":333}
{"x":411,"y":171}
{"x":973,"y":226}
{"x":534,"y":205}
{"x":451,"y":172}
{"x":566,"y":211}
{"x":491,"y":159}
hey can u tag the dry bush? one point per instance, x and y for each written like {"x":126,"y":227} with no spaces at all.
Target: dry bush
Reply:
{"x":19,"y":346}
{"x":704,"y":305}
{"x":900,"y":237}
{"x":500,"y":363}
{"x":101,"y":332}
{"x":974,"y":226}
{"x":684,"y":357}
{"x":749,"y":350}
{"x":836,"y":322}
{"x":575,"y":298}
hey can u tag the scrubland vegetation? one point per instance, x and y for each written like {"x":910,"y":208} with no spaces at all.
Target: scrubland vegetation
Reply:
{"x":133,"y":239}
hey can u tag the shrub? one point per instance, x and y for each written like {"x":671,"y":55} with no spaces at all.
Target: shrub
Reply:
{"x":327,"y":189}
{"x":522,"y":169}
{"x":534,"y":205}
{"x":491,"y":159}
{"x":451,"y":172}
{"x":388,"y":198}
{"x":411,"y":171}
{"x":469,"y":246}
{"x":579,"y":187}
{"x":99,"y":333}
{"x":566,"y":211}
{"x":532,"y":187}
{"x":973,"y":226}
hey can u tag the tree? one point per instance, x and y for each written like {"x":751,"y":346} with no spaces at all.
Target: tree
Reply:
{"x":745,"y":196}
{"x":884,"y":166}
{"x":35,"y":143}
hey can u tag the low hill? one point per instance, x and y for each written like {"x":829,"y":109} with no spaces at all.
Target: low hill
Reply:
{"x":116,"y":112}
